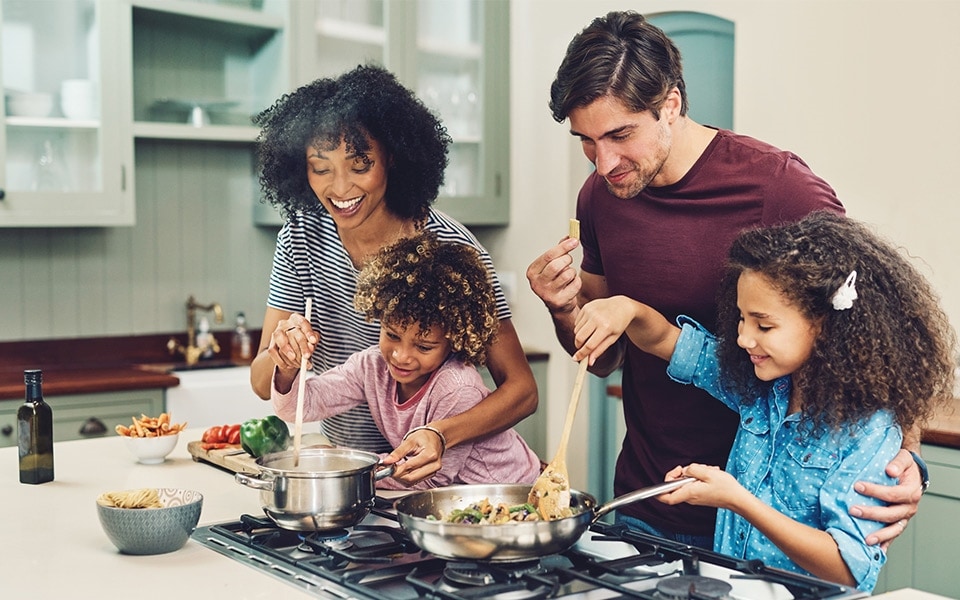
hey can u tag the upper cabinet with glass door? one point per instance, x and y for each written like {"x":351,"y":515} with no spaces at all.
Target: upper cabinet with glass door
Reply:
{"x":202,"y":69}
{"x":455,"y":55}
{"x":62,"y":162}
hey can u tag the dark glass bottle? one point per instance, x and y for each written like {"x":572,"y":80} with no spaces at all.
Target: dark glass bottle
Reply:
{"x":35,"y":432}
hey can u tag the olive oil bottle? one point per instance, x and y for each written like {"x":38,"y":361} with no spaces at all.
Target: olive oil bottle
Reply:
{"x":35,"y":432}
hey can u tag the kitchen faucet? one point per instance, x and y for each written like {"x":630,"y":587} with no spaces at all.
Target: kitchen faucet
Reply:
{"x":191,"y":352}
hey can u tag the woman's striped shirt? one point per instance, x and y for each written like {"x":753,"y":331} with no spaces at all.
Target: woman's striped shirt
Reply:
{"x":311,"y":262}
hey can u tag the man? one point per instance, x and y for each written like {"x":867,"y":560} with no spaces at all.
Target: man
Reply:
{"x":657,"y":216}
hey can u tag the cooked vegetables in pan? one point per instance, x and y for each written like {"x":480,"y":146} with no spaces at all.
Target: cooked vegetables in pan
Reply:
{"x":485,"y":513}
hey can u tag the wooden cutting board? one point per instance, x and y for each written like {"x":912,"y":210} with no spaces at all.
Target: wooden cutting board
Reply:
{"x":233,"y":459}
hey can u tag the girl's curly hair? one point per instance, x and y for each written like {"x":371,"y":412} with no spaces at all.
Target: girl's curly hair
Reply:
{"x":420,"y":280}
{"x":894,"y":349}
{"x":367,"y":102}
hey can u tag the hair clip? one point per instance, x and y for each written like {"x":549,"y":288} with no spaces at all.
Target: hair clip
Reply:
{"x":843,"y":298}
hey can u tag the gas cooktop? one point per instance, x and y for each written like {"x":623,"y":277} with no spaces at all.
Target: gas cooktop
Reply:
{"x":375,"y":560}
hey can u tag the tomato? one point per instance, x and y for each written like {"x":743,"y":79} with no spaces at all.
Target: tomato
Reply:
{"x":222,"y":434}
{"x":233,"y":434}
{"x":211,"y":435}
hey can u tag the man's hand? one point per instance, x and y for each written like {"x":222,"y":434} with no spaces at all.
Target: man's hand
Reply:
{"x":903,"y":500}
{"x":416,"y":458}
{"x":554,"y":279}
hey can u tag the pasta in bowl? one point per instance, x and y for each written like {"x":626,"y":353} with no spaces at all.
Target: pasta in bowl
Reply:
{"x":149,"y":520}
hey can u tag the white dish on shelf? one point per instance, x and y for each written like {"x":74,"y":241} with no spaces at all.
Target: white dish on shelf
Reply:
{"x":29,"y":104}
{"x":197,"y":111}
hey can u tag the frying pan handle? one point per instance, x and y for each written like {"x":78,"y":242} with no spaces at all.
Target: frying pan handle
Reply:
{"x":641,"y":494}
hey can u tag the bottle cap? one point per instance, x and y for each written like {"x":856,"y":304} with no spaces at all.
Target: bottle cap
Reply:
{"x":32,"y":376}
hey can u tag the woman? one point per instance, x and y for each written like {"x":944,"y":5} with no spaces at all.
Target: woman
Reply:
{"x":354,"y":163}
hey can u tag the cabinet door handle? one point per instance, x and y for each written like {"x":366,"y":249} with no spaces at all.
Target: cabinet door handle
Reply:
{"x":7,"y":429}
{"x":93,"y":426}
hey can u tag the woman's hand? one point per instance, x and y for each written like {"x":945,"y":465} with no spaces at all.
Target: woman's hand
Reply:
{"x":902,"y":500}
{"x":417,"y":457}
{"x":292,"y":338}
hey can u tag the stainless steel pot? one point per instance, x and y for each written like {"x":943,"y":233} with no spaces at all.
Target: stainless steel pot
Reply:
{"x":510,"y":541}
{"x":330,"y":488}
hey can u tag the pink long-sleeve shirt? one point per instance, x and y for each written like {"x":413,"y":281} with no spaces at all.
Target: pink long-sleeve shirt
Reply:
{"x":451,"y":390}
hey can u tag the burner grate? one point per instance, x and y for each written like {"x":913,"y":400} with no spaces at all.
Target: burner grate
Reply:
{"x":375,"y":560}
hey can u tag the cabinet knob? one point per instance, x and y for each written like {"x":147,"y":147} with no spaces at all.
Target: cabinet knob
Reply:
{"x":3,"y":194}
{"x":93,"y":426}
{"x":7,"y":430}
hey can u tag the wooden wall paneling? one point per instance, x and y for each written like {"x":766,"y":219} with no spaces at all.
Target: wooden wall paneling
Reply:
{"x":144,"y":256}
{"x":12,"y":296}
{"x":91,"y":285}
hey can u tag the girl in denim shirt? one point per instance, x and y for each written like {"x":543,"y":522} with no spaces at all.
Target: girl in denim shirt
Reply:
{"x":830,"y":345}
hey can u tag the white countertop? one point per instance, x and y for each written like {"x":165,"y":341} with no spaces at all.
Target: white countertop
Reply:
{"x":53,"y":545}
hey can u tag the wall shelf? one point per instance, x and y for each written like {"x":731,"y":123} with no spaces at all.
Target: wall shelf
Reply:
{"x":208,"y":133}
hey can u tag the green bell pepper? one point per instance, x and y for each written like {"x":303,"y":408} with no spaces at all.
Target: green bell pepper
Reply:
{"x":264,"y":436}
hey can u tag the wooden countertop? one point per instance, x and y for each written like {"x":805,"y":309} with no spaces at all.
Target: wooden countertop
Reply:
{"x":61,"y":382}
{"x":943,"y":431}
{"x":91,"y":365}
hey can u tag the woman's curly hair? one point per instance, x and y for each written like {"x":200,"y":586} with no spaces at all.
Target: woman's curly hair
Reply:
{"x":367,"y":102}
{"x":422,"y":281}
{"x":894,"y":349}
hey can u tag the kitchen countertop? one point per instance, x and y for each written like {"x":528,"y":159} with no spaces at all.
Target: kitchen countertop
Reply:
{"x":54,"y":546}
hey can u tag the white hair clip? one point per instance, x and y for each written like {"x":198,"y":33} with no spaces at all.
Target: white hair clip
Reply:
{"x":843,"y":298}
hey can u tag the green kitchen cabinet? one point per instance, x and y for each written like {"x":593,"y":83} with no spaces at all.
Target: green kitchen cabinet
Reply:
{"x":65,"y":160}
{"x":86,"y":415}
{"x":455,"y":55}
{"x":922,"y":557}
{"x":201,"y":71}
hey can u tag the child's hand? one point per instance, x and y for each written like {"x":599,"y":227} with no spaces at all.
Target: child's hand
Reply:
{"x":600,"y":323}
{"x":715,"y":487}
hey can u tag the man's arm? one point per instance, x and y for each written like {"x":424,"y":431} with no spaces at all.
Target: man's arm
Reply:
{"x":902,"y":500}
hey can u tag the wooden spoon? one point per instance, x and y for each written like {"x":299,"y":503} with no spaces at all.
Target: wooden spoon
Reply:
{"x":301,"y":388}
{"x":551,"y":491}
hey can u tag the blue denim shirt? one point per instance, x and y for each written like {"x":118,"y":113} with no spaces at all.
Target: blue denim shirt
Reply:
{"x":809,"y":479}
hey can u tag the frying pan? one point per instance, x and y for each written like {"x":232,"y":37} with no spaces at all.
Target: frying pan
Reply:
{"x":508,"y":542}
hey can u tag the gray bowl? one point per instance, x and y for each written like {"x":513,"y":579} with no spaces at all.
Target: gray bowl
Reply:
{"x":153,"y":530}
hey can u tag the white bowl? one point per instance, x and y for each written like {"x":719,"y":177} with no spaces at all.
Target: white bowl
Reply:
{"x":29,"y":104}
{"x":153,"y":530}
{"x":152,"y":450}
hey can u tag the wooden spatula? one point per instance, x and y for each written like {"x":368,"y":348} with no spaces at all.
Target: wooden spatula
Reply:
{"x":551,"y":491}
{"x":301,"y":388}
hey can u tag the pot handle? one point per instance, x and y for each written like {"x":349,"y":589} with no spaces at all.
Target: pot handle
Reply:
{"x":385,"y":472}
{"x":641,"y":494}
{"x":254,"y":482}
